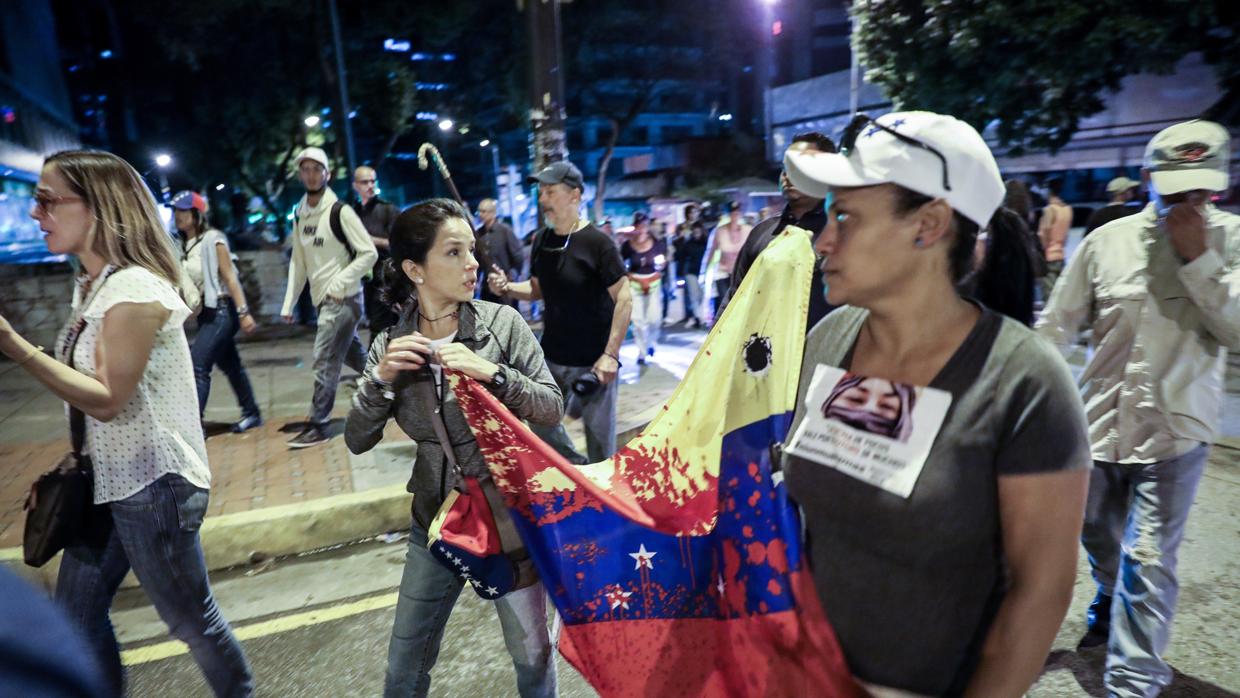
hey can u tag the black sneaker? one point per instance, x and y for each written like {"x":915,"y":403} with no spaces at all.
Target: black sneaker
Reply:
{"x":1098,"y":622}
{"x":247,"y":423}
{"x":310,"y":436}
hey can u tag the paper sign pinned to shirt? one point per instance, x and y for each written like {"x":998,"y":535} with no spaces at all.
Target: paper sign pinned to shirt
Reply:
{"x":872,"y":429}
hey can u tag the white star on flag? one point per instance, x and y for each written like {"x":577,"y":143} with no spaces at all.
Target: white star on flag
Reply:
{"x":492,"y":591}
{"x":618,"y":597}
{"x":643,"y":558}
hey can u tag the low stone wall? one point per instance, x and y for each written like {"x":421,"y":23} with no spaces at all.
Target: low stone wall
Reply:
{"x":36,"y":300}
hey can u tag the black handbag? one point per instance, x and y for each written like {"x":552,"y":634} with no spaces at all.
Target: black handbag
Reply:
{"x":59,"y":501}
{"x":60,"y":509}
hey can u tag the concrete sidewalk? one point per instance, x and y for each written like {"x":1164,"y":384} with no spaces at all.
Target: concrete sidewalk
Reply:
{"x":268,"y":500}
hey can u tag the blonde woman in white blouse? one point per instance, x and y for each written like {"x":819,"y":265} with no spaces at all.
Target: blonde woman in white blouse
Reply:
{"x":128,"y":373}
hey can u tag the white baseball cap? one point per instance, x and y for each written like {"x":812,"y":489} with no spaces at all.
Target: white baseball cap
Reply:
{"x":878,"y":157}
{"x":1187,"y":156}
{"x":314,"y":154}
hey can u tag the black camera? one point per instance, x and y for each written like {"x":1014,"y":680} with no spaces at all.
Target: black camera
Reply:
{"x":587,"y":385}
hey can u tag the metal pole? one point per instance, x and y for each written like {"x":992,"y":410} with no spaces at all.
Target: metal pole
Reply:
{"x":518,"y":222}
{"x":854,"y":67}
{"x":495,"y":168}
{"x":342,"y":79}
{"x":766,"y":69}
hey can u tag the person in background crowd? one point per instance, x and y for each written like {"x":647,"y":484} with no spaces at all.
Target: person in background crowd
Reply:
{"x":434,"y":275}
{"x":1122,"y":191}
{"x":1161,"y":292}
{"x":576,"y":269}
{"x":1053,"y":233}
{"x":123,"y":360}
{"x":722,"y":249}
{"x":334,"y":261}
{"x":1018,"y":199}
{"x":206,"y":263}
{"x":980,"y":555}
{"x":645,"y":257}
{"x":377,"y":216}
{"x":689,"y":250}
{"x":1006,"y":259}
{"x":802,"y":211}
{"x":659,"y":231}
{"x":502,"y":245}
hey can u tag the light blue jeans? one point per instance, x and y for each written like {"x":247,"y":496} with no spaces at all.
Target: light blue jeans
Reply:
{"x":156,"y":532}
{"x":428,"y":591}
{"x":335,"y":344}
{"x":1134,"y":523}
{"x":598,"y":416}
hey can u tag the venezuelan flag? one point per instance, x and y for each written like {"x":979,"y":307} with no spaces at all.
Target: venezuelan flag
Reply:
{"x":676,"y":565}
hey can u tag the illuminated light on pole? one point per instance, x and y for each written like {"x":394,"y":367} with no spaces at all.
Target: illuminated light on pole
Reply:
{"x":163,"y":159}
{"x":446,"y":125}
{"x":484,"y":142}
{"x":725,"y":117}
{"x":219,"y":187}
{"x":312,"y":120}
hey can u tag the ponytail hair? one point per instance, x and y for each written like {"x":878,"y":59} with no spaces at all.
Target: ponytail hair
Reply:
{"x":413,"y":234}
{"x":1005,"y":281}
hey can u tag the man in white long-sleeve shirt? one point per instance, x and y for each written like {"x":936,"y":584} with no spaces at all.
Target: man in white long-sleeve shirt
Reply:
{"x":1161,"y":291}
{"x":331,"y":249}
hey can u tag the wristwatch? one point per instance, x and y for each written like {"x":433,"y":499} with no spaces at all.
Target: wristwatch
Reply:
{"x":500,"y":379}
{"x":243,"y":311}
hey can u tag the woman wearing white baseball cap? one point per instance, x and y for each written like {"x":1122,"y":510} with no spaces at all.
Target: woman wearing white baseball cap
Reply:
{"x":946,"y":562}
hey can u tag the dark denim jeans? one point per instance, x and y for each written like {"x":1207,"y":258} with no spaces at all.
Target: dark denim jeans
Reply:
{"x":156,"y":532}
{"x":214,"y":345}
{"x":428,"y":591}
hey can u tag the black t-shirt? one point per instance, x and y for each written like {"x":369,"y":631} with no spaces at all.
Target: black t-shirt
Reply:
{"x":574,"y":273}
{"x":1109,"y":213}
{"x":912,"y":585}
{"x":651,"y":261}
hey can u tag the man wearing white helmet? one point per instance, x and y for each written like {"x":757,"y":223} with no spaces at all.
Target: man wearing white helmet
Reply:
{"x":939,"y":450}
{"x":332,"y":250}
{"x":1161,"y":291}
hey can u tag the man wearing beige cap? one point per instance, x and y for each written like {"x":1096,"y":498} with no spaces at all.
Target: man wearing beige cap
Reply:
{"x":1122,"y":191}
{"x":1161,"y":291}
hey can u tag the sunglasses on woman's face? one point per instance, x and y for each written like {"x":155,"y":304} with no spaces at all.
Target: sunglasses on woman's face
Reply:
{"x":859,"y":123}
{"x":47,"y":202}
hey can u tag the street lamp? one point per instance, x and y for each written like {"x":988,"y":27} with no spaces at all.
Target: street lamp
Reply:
{"x":162,"y":161}
{"x":312,"y":120}
{"x":446,"y":125}
{"x":219,"y":187}
{"x":484,"y":142}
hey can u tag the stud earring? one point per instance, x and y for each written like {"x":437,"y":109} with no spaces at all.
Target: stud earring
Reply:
{"x":918,"y":242}
{"x":417,"y":280}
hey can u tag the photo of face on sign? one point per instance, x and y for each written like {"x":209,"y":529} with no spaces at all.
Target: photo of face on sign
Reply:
{"x":873,"y":405}
{"x":870,"y":428}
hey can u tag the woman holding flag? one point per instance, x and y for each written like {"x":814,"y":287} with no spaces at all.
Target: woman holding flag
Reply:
{"x":432,"y":275}
{"x":945,"y":563}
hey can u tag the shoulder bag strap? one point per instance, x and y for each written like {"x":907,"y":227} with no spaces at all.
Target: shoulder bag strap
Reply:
{"x":77,"y":418}
{"x":333,"y":220}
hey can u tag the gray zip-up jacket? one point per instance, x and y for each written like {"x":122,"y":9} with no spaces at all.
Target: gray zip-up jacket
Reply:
{"x":494,"y":332}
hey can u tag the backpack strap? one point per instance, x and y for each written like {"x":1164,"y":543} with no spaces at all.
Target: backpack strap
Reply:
{"x":338,"y":230}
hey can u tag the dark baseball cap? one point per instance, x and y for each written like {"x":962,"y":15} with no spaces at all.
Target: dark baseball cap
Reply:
{"x":563,"y":172}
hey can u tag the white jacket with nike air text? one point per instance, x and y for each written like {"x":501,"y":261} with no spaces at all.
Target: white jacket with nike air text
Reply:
{"x":319,"y":256}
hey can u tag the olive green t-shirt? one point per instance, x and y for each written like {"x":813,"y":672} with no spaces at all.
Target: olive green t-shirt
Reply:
{"x":911,"y":586}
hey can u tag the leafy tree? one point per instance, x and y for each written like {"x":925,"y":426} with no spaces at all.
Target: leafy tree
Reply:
{"x":1035,"y":68}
